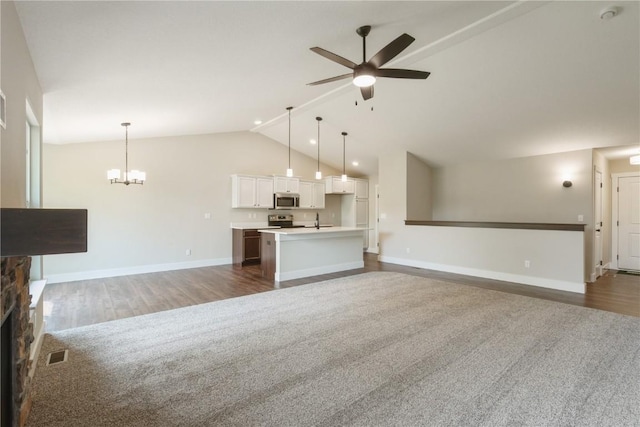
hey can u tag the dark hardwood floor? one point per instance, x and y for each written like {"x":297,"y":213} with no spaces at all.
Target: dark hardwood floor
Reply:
{"x":73,"y":304}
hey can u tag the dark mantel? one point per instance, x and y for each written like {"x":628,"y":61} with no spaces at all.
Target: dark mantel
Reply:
{"x":512,"y":225}
{"x":42,"y":231}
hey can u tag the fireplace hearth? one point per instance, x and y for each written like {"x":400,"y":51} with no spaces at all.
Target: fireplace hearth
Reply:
{"x":17,"y":336}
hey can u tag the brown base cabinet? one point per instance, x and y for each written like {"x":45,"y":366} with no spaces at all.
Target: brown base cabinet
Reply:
{"x":246,"y":246}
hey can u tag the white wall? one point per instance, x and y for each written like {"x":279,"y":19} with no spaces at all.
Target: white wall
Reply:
{"x":518,"y":190}
{"x":19,"y":83}
{"x":149,"y":228}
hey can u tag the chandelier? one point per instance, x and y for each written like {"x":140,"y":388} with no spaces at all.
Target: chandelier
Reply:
{"x":130,"y":177}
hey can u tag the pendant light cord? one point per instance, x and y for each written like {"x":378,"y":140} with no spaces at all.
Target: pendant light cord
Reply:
{"x":344,"y":136}
{"x":289,"y":108}
{"x":318,"y":173}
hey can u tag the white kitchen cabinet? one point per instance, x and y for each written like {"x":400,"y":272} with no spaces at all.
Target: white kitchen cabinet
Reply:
{"x":362,"y":188}
{"x":355,"y":213}
{"x":249,"y":191}
{"x":335,"y":185}
{"x":311,"y":195}
{"x":283,"y":184}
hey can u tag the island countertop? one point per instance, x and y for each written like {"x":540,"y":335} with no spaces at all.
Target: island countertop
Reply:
{"x":310,"y":230}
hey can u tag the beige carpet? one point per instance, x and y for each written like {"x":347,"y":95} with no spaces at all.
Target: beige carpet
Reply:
{"x":377,"y":349}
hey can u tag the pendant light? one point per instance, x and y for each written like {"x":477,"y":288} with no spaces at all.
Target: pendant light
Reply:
{"x":130,"y":177}
{"x":318,"y":173}
{"x":344,"y":174}
{"x":289,"y":170}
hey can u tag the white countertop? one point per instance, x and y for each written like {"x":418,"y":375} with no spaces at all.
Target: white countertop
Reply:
{"x":311,"y":230}
{"x":251,"y":225}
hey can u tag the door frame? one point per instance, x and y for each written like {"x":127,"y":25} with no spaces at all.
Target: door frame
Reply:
{"x":598,"y":192}
{"x":614,"y":214}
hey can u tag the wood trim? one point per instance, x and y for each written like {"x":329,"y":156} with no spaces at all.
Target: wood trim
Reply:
{"x":510,"y":225}
{"x":42,"y":231}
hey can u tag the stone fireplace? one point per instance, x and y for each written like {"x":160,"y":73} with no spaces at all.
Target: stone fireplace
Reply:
{"x":26,"y":233}
{"x":17,"y":336}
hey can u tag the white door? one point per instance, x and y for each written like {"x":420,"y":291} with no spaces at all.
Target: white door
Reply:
{"x":598,"y":224}
{"x":629,"y":223}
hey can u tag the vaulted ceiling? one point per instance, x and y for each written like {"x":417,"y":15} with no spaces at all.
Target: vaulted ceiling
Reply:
{"x":508,"y":79}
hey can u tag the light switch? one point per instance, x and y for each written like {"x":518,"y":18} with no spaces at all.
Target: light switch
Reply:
{"x":207,"y":215}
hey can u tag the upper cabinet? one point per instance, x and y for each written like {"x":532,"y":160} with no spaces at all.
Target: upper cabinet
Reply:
{"x":251,"y":192}
{"x":362,"y":188}
{"x":311,"y":195}
{"x":335,"y":185}
{"x":283,"y":184}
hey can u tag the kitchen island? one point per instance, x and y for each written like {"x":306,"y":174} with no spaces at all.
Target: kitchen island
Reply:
{"x":292,"y":253}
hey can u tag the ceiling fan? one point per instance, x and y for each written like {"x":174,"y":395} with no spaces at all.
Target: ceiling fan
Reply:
{"x":364,"y":74}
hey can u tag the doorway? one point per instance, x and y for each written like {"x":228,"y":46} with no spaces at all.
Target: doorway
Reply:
{"x":626,"y":221}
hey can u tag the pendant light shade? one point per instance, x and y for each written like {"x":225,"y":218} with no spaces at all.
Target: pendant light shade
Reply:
{"x":289,"y":170}
{"x":130,"y":177}
{"x":318,"y":173}
{"x":344,"y":173}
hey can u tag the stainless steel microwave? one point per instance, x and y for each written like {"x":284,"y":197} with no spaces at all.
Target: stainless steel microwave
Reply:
{"x":286,"y":200}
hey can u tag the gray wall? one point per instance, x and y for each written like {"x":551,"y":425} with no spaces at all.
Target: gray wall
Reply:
{"x":525,"y":189}
{"x":418,"y":189}
{"x":19,"y":83}
{"x":515,"y":190}
{"x":154,"y":224}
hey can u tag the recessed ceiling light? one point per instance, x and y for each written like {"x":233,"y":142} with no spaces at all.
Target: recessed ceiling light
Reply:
{"x":313,"y":142}
{"x":355,"y":163}
{"x":257,"y":122}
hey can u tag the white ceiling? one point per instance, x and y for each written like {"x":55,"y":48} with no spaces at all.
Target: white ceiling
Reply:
{"x":509,"y":79}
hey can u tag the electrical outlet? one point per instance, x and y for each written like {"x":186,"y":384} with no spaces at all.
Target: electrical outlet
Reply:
{"x":527,"y":263}
{"x":207,"y":215}
{"x":580,"y":218}
{"x":408,"y":250}
{"x":188,"y":252}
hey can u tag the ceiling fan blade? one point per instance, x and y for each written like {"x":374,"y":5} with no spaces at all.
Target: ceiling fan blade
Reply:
{"x":335,"y":58}
{"x":367,"y":92}
{"x":399,"y":73}
{"x":391,"y":50}
{"x":331,"y":79}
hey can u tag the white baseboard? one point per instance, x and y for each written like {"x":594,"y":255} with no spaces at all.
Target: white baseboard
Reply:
{"x":372,"y":250}
{"x":316,"y":271}
{"x":561,"y":285}
{"x":141,"y":269}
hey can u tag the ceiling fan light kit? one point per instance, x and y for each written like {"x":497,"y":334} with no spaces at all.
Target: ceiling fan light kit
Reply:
{"x":364,"y":75}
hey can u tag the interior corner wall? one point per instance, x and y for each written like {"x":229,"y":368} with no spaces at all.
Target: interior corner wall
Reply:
{"x":418,"y":189}
{"x":139,"y":228}
{"x":392,"y":175}
{"x":19,"y":83}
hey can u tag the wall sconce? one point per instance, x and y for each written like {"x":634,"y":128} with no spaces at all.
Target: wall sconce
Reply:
{"x":566,"y":183}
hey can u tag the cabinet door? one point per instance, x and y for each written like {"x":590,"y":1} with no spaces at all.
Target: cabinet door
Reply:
{"x":283,"y":184}
{"x":264,"y":192}
{"x":306,"y":194}
{"x":362,"y":189}
{"x":362,"y":219}
{"x":245,"y":192}
{"x":251,"y":248}
{"x":318,"y":195}
{"x":349,"y":187}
